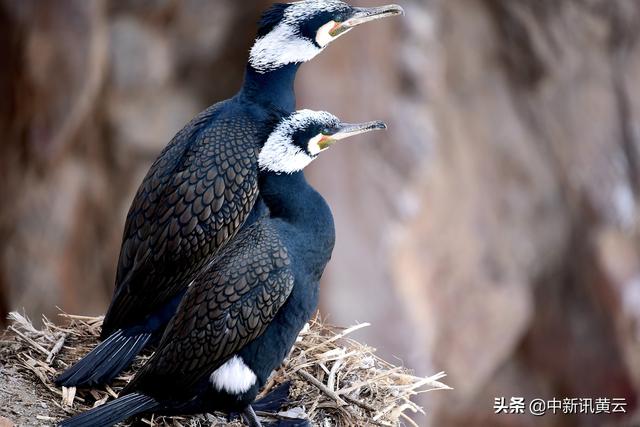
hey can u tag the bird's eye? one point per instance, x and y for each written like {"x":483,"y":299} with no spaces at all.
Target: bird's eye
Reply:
{"x":340,"y":17}
{"x":326,"y":131}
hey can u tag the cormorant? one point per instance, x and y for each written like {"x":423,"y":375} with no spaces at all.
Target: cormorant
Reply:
{"x":203,"y":186}
{"x":242,"y":314}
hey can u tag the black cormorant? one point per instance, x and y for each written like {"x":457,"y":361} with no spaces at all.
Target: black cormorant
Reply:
{"x":242,"y":314}
{"x":203,"y":186}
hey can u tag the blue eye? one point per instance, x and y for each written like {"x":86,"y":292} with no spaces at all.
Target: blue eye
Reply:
{"x":340,"y":17}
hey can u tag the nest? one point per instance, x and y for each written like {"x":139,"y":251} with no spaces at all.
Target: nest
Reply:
{"x":335,"y":380}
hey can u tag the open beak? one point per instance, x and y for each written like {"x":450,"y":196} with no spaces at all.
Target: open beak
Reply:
{"x":346,"y":130}
{"x":366,"y":14}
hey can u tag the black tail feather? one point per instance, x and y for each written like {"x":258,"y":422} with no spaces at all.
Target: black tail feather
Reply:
{"x":106,"y":361}
{"x":274,"y":400}
{"x":273,"y":403}
{"x":113,"y":412}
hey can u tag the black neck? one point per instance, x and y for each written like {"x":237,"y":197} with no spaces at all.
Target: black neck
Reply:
{"x":291,"y":198}
{"x":272,"y":88}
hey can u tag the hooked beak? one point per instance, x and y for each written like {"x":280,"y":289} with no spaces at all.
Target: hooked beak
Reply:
{"x":366,"y":14}
{"x":346,"y":130}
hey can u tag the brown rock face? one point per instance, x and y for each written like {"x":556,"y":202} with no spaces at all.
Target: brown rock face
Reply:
{"x":531,"y":194}
{"x":493,"y":231}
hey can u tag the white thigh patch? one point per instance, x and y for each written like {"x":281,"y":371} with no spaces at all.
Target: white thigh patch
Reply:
{"x":233,"y":377}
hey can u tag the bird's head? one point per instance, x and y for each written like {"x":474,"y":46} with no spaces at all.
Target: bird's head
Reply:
{"x":298,"y":139}
{"x":296,"y":32}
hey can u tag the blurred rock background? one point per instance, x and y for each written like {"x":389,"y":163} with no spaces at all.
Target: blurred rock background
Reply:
{"x":492,"y":232}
